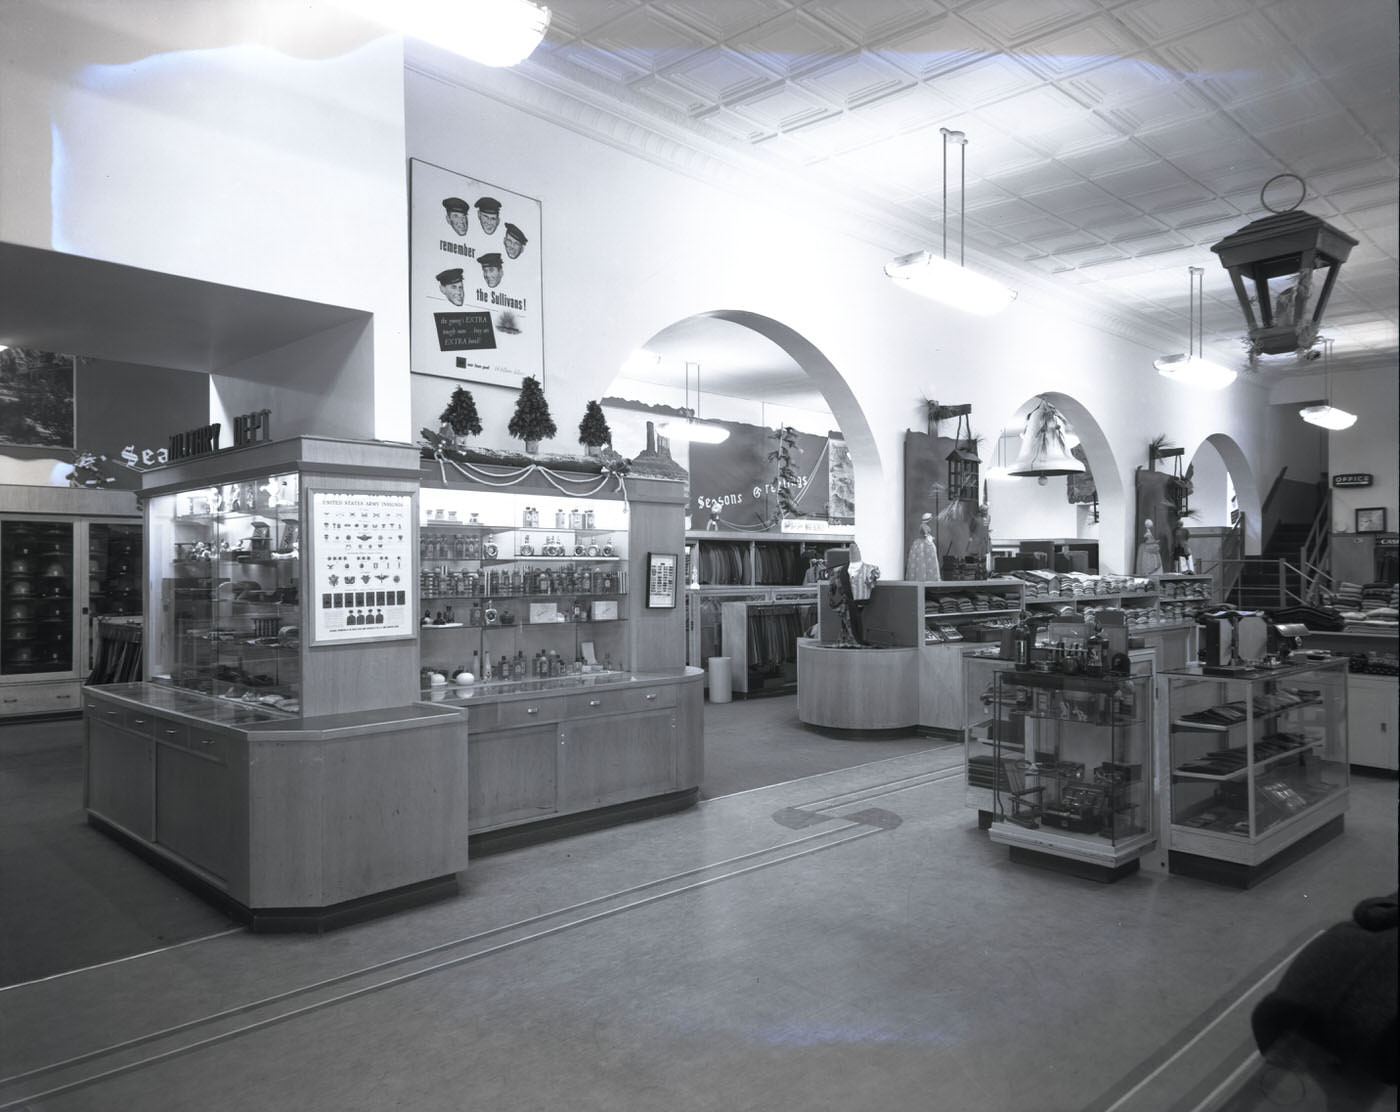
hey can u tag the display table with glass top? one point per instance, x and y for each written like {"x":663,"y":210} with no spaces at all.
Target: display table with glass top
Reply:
{"x":1256,"y":764}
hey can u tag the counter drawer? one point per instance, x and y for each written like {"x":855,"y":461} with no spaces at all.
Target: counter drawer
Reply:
{"x":193,"y":737}
{"x":620,"y":700}
{"x":525,"y":712}
{"x":39,"y":698}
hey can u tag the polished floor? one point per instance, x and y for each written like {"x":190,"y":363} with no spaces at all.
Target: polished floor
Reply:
{"x":840,"y":937}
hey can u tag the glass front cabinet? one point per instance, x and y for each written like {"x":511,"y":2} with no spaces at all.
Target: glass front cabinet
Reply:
{"x":226,"y":590}
{"x":1257,"y":767}
{"x":65,"y":571}
{"x":518,"y":587}
{"x":1070,"y":770}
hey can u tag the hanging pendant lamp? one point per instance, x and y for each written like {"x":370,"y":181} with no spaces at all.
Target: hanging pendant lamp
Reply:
{"x":1325,"y":415}
{"x":1044,"y":445}
{"x":690,"y":429}
{"x":1192,"y":368}
{"x":940,"y":278}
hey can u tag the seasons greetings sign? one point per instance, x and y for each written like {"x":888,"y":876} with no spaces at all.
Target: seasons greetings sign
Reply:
{"x":732,"y":484}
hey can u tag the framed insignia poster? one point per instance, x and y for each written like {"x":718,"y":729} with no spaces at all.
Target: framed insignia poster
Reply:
{"x":475,"y":304}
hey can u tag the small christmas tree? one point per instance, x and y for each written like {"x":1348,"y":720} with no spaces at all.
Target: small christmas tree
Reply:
{"x":593,"y":431}
{"x":531,"y":421}
{"x":461,"y":415}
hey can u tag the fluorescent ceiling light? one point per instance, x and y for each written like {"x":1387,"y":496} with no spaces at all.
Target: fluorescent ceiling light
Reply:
{"x":492,"y":32}
{"x":1192,"y":370}
{"x":693,"y":431}
{"x":1327,"y":417}
{"x":930,"y":275}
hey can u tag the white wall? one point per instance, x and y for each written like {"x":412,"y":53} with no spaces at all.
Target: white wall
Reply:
{"x":631,"y":246}
{"x":251,"y":143}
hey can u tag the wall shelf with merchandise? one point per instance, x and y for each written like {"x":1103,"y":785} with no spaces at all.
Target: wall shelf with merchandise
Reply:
{"x":514,"y":589}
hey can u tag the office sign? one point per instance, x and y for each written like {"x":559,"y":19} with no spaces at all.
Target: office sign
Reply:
{"x":1353,"y":479}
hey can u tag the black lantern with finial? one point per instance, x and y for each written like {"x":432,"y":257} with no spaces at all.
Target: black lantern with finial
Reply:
{"x":1277,"y":257}
{"x":964,"y":466}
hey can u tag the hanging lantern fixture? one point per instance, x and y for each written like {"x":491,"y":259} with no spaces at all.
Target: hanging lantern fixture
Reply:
{"x":1277,"y":257}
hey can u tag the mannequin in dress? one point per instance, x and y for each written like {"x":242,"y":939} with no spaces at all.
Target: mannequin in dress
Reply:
{"x":1149,"y":554}
{"x":922,"y":563}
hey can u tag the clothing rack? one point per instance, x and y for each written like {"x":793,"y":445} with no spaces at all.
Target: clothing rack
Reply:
{"x":119,"y":653}
{"x":760,"y":639}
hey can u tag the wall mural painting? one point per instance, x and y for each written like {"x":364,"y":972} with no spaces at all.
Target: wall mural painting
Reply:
{"x":475,"y":302}
{"x":37,"y":398}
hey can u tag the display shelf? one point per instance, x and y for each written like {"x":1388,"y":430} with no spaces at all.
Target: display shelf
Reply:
{"x":719,"y":558}
{"x":497,"y":580}
{"x":67,"y":559}
{"x":1256,"y":766}
{"x":1072,"y":769}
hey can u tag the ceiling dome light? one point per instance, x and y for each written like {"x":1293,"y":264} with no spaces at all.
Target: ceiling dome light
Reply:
{"x":492,"y":32}
{"x":1327,"y":417}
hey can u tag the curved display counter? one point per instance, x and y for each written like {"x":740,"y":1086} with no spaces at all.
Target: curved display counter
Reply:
{"x":857,"y":688}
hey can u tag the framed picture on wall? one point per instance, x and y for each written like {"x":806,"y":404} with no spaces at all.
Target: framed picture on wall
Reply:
{"x":38,"y":388}
{"x":1370,"y":520}
{"x":661,"y":579}
{"x":475,"y":302}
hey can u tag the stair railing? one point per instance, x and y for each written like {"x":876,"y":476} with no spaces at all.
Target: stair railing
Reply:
{"x":1314,"y":558}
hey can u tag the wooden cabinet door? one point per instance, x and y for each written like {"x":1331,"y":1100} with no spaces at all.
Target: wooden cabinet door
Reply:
{"x":513,"y":776}
{"x":121,"y":777}
{"x":194,"y":807}
{"x":616,"y":758}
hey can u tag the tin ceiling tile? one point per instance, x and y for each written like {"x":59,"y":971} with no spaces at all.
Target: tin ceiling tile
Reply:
{"x":942,"y":46}
{"x":872,"y":21}
{"x":1014,"y":21}
{"x":580,"y":18}
{"x":986,"y":81}
{"x":719,"y":75}
{"x":1158,"y":21}
{"x":793,"y":43}
{"x":1211,"y":60}
{"x":781,"y":107}
{"x":854,"y":79}
{"x":721,"y":20}
{"x":648,"y":39}
{"x":1090,"y":45}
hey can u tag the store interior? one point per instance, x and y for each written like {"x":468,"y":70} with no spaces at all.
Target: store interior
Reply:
{"x":664,"y":771}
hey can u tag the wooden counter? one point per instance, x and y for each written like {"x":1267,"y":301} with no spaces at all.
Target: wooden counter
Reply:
{"x":287,"y":823}
{"x":558,"y":756}
{"x":857,"y":689}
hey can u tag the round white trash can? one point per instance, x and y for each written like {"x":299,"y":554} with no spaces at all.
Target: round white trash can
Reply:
{"x":721,"y":680}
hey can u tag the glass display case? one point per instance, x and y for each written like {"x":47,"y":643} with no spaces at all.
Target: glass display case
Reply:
{"x":40,"y":592}
{"x":1258,"y":765}
{"x":1075,"y":753}
{"x":226,"y":590}
{"x":984,"y":771}
{"x":70,"y":561}
{"x":518,"y":587}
